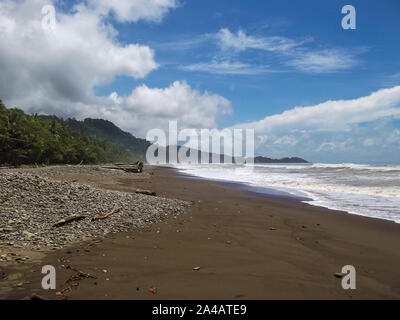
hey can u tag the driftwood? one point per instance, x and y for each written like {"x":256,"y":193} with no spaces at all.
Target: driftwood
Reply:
{"x":136,"y":167}
{"x":106,"y":215}
{"x":73,"y":280}
{"x":147,"y":192}
{"x":65,"y":220}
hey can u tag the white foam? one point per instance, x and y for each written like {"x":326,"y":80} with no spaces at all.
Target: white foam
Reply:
{"x":372,"y":191}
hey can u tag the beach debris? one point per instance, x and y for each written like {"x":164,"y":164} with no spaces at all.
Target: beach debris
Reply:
{"x":146,"y":192}
{"x":115,"y":210}
{"x":136,"y":167}
{"x":228,"y":242}
{"x":74,"y":217}
{"x":339,"y":275}
{"x":153,"y":290}
{"x":196,"y":268}
{"x":79,"y":275}
{"x":73,"y":280}
{"x":272,"y":229}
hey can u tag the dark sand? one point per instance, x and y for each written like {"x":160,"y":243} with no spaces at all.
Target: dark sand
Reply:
{"x":227,"y":232}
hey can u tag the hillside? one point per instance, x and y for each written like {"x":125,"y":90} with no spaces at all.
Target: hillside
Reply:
{"x":110,"y":132}
{"x":28,"y":139}
{"x":282,"y":160}
{"x":31,"y":139}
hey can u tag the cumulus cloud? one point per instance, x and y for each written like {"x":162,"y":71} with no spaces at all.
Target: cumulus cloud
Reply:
{"x":362,"y":128}
{"x":54,"y":72}
{"x":66,"y":63}
{"x":147,"y":108}
{"x":334,"y":115}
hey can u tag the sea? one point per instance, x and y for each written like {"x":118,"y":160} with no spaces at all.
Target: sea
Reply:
{"x":371,"y":190}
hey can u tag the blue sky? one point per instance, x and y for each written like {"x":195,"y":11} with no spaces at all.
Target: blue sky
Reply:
{"x":374,"y":44}
{"x":240,"y":62}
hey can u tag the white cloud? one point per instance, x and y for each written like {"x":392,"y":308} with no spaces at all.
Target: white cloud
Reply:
{"x":240,"y":42}
{"x":65,"y":64}
{"x":322,"y":61}
{"x":359,"y":129}
{"x":55,"y":72}
{"x":283,"y":53}
{"x":147,"y":108}
{"x":394,"y":138}
{"x":227,"y":67}
{"x":293,"y":53}
{"x":287,"y":140}
{"x":334,"y":115}
{"x":134,"y":10}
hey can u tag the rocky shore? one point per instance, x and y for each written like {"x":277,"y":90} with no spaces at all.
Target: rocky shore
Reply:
{"x":31,"y":202}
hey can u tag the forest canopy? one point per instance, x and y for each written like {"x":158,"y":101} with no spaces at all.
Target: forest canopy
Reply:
{"x":31,"y":139}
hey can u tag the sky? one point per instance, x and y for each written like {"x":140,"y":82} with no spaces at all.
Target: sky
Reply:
{"x":285,"y":68}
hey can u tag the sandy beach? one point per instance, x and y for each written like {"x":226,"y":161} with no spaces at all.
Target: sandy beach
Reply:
{"x":230,"y":244}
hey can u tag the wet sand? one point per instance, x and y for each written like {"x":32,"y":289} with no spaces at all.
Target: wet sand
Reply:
{"x":247,"y":245}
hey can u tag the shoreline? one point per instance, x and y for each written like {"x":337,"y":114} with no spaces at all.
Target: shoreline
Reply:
{"x":269,"y":192}
{"x":277,"y":193}
{"x":248,"y":246}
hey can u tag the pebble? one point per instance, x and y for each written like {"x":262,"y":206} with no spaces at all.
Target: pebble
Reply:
{"x":32,"y":200}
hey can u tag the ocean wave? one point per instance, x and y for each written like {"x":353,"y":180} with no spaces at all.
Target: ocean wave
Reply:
{"x":368,"y":190}
{"x":340,"y":166}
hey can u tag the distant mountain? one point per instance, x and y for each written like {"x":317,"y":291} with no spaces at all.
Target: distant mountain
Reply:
{"x":199,"y":155}
{"x":282,"y":160}
{"x":108,"y":131}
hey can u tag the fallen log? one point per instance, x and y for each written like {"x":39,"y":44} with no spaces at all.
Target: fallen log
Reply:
{"x":106,"y":215}
{"x":137,"y":167}
{"x":65,"y":220}
{"x":146,"y":192}
{"x":132,"y":169}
